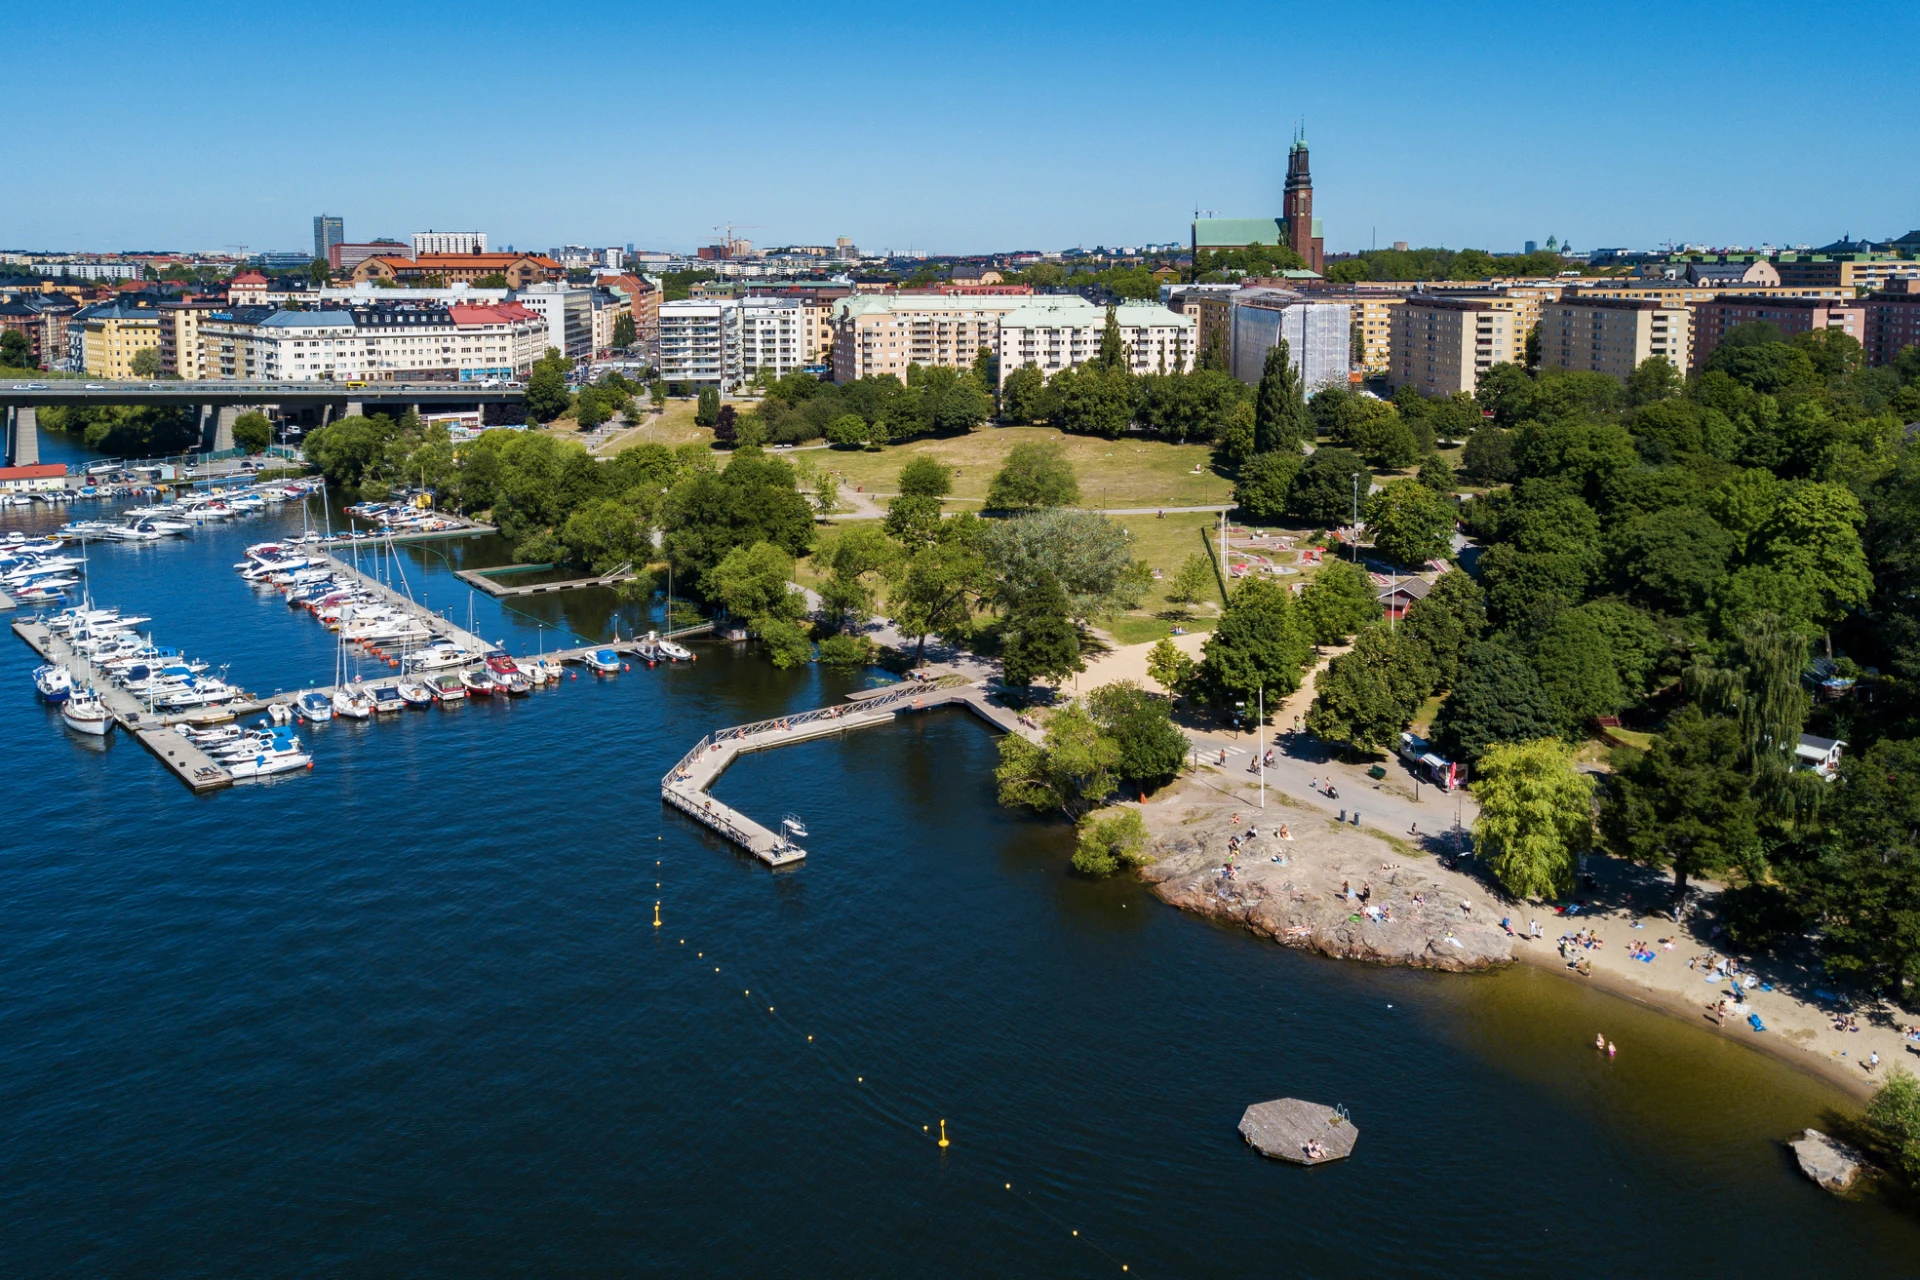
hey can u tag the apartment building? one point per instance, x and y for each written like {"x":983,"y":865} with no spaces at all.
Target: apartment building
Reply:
{"x":1372,"y":310}
{"x":113,"y":334}
{"x":345,"y":257}
{"x":1713,"y":320}
{"x":18,"y":317}
{"x":1850,"y":273}
{"x":1319,"y":336}
{"x":773,"y":336}
{"x":1209,"y":306}
{"x":1613,"y":335}
{"x":1060,"y":332}
{"x":228,"y":346}
{"x":1691,"y":294}
{"x":180,"y":335}
{"x":700,"y":341}
{"x":1893,"y":322}
{"x":642,"y":301}
{"x":884,"y":333}
{"x":1443,"y":344}
{"x":378,"y":343}
{"x":568,"y":311}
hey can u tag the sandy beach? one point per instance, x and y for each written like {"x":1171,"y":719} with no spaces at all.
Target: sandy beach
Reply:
{"x":1419,"y":912}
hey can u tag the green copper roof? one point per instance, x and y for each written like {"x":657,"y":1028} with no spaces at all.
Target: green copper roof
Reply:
{"x":1234,"y":232}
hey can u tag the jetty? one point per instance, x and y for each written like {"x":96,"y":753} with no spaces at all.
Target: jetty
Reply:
{"x":188,"y":762}
{"x":1300,"y":1131}
{"x":685,"y":785}
{"x":484,"y":580}
{"x":464,"y":530}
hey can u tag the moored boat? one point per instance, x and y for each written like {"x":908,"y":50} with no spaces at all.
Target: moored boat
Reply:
{"x":448,"y":688}
{"x":601,"y":661}
{"x":414,"y":693}
{"x":83,"y":712}
{"x":53,"y":683}
{"x":315,"y":706}
{"x":478,"y":684}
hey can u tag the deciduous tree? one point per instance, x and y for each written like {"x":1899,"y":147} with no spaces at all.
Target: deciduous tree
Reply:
{"x":1535,"y":816}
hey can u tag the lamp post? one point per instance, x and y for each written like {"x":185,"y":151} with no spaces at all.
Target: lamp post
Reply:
{"x":1356,"y":515}
{"x":1260,"y":743}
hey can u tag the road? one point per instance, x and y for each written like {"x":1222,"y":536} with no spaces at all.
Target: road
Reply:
{"x":33,"y":392}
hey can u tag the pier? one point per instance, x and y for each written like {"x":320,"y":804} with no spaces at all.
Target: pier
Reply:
{"x":428,"y":535}
{"x":7,"y":602}
{"x":484,"y":580}
{"x":188,"y":762}
{"x":685,"y":785}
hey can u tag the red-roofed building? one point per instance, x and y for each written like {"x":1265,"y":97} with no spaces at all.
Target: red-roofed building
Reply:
{"x":519,"y":269}
{"x":38,"y":478}
{"x":247,"y":289}
{"x":498,"y":341}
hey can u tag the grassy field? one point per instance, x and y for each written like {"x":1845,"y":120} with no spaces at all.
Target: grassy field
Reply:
{"x":1128,"y":472}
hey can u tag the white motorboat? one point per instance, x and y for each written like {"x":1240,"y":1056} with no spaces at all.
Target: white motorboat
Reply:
{"x":675,"y":652}
{"x":414,"y":693}
{"x":85,"y":713}
{"x":438,"y":656}
{"x":316,"y":707}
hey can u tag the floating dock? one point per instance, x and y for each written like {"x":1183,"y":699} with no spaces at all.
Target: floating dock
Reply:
{"x":188,"y":762}
{"x":428,"y":535}
{"x":7,"y":602}
{"x":483,"y":579}
{"x":685,"y":785}
{"x":1299,"y":1131}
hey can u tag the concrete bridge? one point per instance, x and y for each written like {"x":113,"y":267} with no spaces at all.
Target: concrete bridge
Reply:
{"x":217,"y":404}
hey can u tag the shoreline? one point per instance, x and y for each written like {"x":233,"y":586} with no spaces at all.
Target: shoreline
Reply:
{"x":1421,"y":914}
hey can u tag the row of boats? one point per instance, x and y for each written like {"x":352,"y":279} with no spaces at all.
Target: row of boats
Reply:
{"x":497,"y":676}
{"x":273,"y":746}
{"x":36,"y":571}
{"x":111,"y":648}
{"x":185,"y":514}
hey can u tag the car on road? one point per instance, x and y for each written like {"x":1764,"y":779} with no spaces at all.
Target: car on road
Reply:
{"x":96,"y":386}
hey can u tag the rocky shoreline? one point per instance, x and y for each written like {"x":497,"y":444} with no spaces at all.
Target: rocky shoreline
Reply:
{"x":1232,"y":863}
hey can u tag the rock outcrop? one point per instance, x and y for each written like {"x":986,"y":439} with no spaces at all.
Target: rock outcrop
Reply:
{"x":1414,"y":912}
{"x":1828,"y":1161}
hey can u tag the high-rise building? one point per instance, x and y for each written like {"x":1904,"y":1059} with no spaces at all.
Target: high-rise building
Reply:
{"x":1713,"y":320}
{"x":328,"y":231}
{"x":1443,"y":344}
{"x":1613,"y":335}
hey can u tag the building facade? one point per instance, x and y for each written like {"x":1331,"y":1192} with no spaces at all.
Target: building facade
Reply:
{"x":1614,"y":335}
{"x":439,"y":242}
{"x":1319,"y":336}
{"x":518,"y":269}
{"x":568,"y":311}
{"x":884,"y":333}
{"x":1893,"y":322}
{"x":1712,"y":321}
{"x":700,"y":341}
{"x":384,"y":342}
{"x":114,"y":335}
{"x":1441,"y":345}
{"x":1062,"y":332}
{"x":343,"y":257}
{"x":1853,"y":273}
{"x":180,"y":335}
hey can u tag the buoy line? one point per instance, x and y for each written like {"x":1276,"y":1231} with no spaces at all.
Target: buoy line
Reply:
{"x":766,"y":1004}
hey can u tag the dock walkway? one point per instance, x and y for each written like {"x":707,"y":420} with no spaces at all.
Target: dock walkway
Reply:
{"x":188,"y":762}
{"x":483,"y":579}
{"x":685,"y":785}
{"x":429,"y":535}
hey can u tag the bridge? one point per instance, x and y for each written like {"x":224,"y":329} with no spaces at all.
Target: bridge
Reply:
{"x":218,"y":403}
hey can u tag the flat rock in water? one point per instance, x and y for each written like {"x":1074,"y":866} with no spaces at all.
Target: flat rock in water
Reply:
{"x":1828,"y":1161}
{"x":1283,"y":1128}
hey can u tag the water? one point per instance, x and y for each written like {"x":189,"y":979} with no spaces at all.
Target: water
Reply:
{"x":408,"y":1014}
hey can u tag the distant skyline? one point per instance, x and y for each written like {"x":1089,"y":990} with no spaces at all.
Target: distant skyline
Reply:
{"x":966,"y":128}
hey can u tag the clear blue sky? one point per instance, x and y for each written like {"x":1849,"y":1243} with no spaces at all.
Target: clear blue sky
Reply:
{"x":957,"y":127}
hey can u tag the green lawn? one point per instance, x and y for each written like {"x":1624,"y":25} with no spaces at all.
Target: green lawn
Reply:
{"x":1128,"y":472}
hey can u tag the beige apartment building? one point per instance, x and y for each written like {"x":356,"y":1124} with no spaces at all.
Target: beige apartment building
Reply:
{"x":1849,"y":275}
{"x":1687,"y":295}
{"x":180,"y":335}
{"x":1614,"y":335}
{"x":884,"y":333}
{"x":1443,"y":344}
{"x":114,"y":335}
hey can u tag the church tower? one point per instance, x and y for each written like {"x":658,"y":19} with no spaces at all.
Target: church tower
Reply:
{"x":1297,"y":205}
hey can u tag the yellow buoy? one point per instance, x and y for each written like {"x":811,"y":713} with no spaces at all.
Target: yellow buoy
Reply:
{"x":656,"y":915}
{"x":943,"y":1133}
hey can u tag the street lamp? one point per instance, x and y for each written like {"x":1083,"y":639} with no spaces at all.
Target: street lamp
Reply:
{"x":1356,"y":515}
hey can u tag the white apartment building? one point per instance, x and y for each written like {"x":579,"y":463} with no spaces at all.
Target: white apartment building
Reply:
{"x":568,"y":310}
{"x":449,"y":242}
{"x":1060,"y":332}
{"x":773,"y":336}
{"x":1319,"y":336}
{"x":700,"y":341}
{"x":396,"y":344}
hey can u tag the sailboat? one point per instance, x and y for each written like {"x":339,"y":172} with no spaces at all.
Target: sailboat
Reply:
{"x":347,"y":701}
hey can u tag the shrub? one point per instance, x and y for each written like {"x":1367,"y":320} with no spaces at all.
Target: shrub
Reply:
{"x":1109,"y":843}
{"x":846,"y":651}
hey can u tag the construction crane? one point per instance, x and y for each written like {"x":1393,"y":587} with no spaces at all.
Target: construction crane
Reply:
{"x":727,"y":231}
{"x":242,"y":251}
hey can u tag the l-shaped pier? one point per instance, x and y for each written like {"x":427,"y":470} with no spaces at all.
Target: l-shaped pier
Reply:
{"x":685,"y":785}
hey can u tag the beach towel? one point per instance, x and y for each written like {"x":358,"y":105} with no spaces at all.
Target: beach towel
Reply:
{"x":1753,"y":1020}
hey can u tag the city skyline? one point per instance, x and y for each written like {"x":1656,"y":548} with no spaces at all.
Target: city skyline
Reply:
{"x":1597,"y":143}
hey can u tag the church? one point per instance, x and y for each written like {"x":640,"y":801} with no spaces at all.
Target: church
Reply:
{"x":1296,"y":227}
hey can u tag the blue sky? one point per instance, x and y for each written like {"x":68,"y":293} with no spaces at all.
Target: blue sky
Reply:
{"x":957,"y":127}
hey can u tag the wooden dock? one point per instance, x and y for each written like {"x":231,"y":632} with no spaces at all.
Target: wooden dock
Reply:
{"x":483,"y":579}
{"x":188,"y":762}
{"x":685,"y":785}
{"x":7,"y":602}
{"x":345,"y":572}
{"x":432,"y":535}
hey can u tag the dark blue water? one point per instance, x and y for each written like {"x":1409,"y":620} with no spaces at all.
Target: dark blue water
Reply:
{"x":408,"y":1014}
